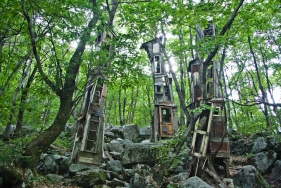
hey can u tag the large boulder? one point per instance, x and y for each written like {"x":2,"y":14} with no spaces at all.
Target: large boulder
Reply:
{"x":264,"y":143}
{"x":139,"y":153}
{"x":115,"y":166}
{"x":54,"y":178}
{"x":249,"y":177}
{"x":74,"y":168}
{"x":115,"y":146}
{"x":90,"y":178}
{"x":138,"y":181}
{"x":117,"y":130}
{"x":179,"y":177}
{"x":48,"y":165}
{"x":63,"y":163}
{"x":145,"y":132}
{"x":240,"y":147}
{"x":263,"y":161}
{"x":195,"y":182}
{"x":131,"y":131}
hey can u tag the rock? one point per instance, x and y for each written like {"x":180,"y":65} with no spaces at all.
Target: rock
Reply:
{"x":117,"y":130}
{"x":48,"y":165}
{"x":277,"y":149}
{"x":74,"y":168}
{"x":264,"y":143}
{"x":249,"y":177}
{"x":145,"y":141}
{"x":264,"y":160}
{"x":28,"y":174}
{"x":145,"y":132}
{"x":275,"y":174}
{"x":139,"y":153}
{"x":115,"y":146}
{"x":109,"y":134}
{"x":10,"y":175}
{"x":63,"y":163}
{"x":54,"y":178}
{"x":115,"y":183}
{"x":116,"y":155}
{"x":115,"y":166}
{"x":138,"y":181}
{"x":90,"y":178}
{"x":195,"y":182}
{"x":240,"y":147}
{"x":179,"y":177}
{"x":131,"y":131}
{"x":142,"y":169}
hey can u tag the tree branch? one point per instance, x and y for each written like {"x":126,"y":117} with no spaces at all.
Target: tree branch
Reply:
{"x":35,"y":51}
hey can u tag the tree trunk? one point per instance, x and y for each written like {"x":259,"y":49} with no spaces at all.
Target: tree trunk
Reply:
{"x":16,"y":94}
{"x":264,"y":95}
{"x":24,"y":95}
{"x":46,"y":138}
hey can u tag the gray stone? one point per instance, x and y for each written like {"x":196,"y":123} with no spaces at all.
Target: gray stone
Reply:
{"x":138,"y":181}
{"x":264,"y":160}
{"x":116,"y":155}
{"x":142,"y":169}
{"x":139,"y":153}
{"x":90,"y":178}
{"x":115,"y":146}
{"x":179,"y":177}
{"x":115,"y":183}
{"x":48,"y":165}
{"x":115,"y":166}
{"x":109,"y":134}
{"x":74,"y":168}
{"x":61,"y":159}
{"x":249,"y":177}
{"x":264,"y":143}
{"x":54,"y":178}
{"x":240,"y":147}
{"x":117,"y":130}
{"x":195,"y":182}
{"x":131,"y":131}
{"x":145,"y":132}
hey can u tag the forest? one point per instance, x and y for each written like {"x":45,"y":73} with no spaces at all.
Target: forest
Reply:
{"x":48,"y":53}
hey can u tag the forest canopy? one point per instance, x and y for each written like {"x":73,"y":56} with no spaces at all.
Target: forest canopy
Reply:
{"x":48,"y":51}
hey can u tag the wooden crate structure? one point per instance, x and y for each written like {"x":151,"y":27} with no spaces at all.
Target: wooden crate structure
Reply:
{"x":165,"y":110}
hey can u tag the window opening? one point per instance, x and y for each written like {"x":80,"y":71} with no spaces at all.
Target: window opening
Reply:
{"x":157,"y":64}
{"x":166,"y":115}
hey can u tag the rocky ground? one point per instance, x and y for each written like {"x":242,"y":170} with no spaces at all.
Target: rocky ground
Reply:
{"x":255,"y":162}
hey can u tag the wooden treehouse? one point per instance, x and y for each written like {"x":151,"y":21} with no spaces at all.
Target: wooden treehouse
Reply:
{"x":210,"y":143}
{"x":89,"y":139}
{"x":165,"y":110}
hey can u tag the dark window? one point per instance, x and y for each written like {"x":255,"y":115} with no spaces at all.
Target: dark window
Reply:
{"x":166,"y":115}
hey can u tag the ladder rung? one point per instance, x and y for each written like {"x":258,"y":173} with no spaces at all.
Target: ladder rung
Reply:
{"x":90,"y":140}
{"x":92,"y":130}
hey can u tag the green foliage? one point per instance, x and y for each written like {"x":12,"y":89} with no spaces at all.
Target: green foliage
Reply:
{"x":11,"y":152}
{"x":165,"y":150}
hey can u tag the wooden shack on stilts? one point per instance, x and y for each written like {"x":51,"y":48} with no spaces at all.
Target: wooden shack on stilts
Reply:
{"x":89,"y":138}
{"x":210,"y":143}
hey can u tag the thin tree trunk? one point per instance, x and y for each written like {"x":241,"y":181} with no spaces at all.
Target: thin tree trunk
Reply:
{"x":23,"y":99}
{"x":264,"y":95}
{"x":16,"y":94}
